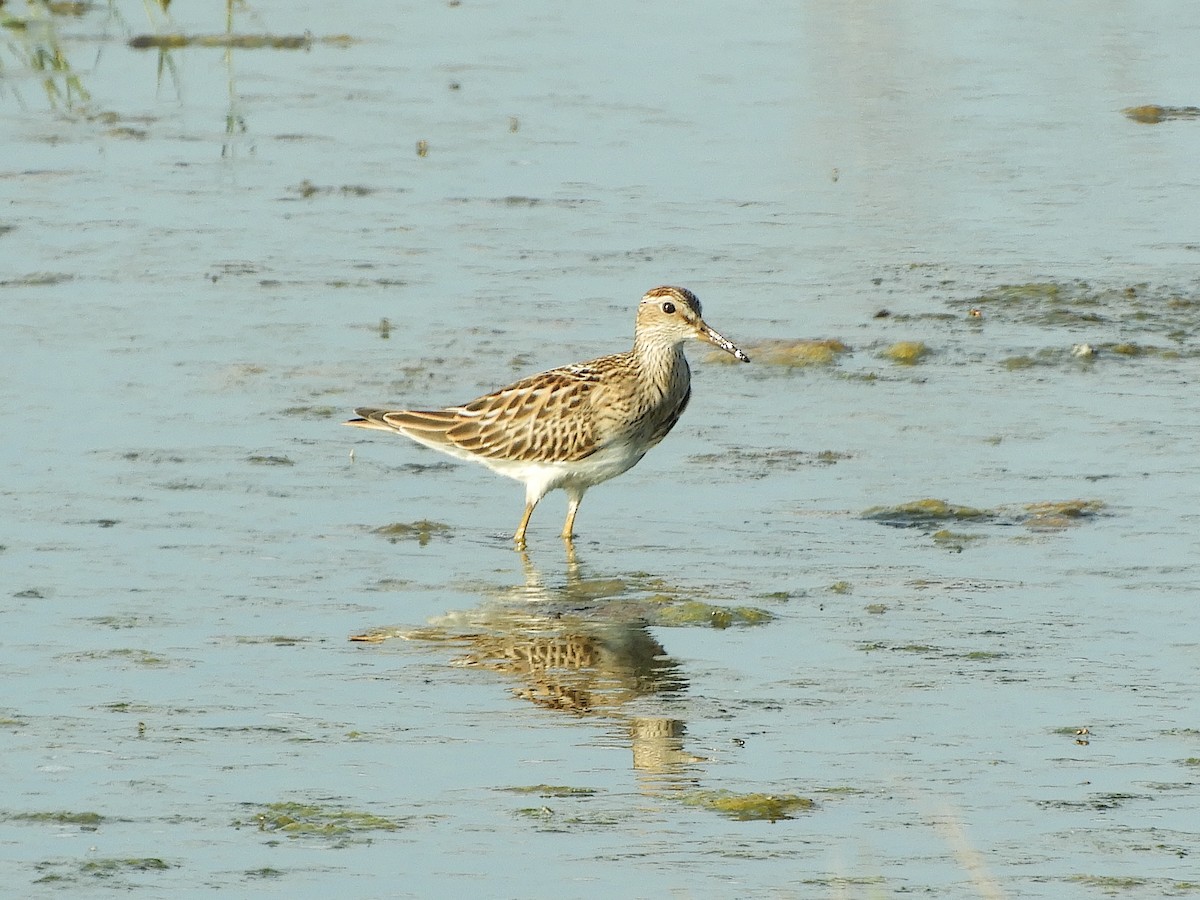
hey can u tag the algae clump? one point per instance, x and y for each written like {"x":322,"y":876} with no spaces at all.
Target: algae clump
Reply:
{"x":923,"y":512}
{"x":906,"y":353}
{"x":750,"y":807}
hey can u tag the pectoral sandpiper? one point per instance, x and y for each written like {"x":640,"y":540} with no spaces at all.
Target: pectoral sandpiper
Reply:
{"x":578,"y":425}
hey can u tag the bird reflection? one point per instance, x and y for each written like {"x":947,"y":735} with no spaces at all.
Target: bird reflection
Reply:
{"x":577,"y":644}
{"x":580,"y":645}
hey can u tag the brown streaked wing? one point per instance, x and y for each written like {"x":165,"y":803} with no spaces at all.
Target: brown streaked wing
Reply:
{"x":543,"y":418}
{"x":428,"y":424}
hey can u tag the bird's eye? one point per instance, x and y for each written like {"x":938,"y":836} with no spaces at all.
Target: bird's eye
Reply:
{"x":668,"y":308}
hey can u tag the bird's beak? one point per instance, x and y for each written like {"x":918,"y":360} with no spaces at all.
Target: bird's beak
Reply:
{"x":719,"y":340}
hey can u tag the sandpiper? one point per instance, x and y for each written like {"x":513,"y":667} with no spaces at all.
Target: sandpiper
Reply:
{"x":577,"y":425}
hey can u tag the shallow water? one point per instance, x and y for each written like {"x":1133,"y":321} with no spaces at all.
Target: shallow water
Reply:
{"x":195,"y":261}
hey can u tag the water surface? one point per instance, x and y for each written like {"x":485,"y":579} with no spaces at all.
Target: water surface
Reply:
{"x":199,"y":247}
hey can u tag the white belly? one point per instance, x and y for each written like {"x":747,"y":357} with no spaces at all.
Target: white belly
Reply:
{"x":541,"y":477}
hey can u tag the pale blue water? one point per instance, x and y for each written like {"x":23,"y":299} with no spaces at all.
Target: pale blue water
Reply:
{"x":178,"y":308}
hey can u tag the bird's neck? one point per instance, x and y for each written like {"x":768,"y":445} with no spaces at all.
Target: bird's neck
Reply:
{"x":664,"y":369}
{"x":658,"y":357}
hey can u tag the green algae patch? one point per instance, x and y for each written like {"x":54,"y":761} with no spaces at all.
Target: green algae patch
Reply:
{"x":265,"y":872}
{"x":310,"y":412}
{"x":919,"y":513}
{"x":1033,"y":291}
{"x":422,"y":532}
{"x":236,"y":41}
{"x":136,"y":657}
{"x":923,"y":649}
{"x":59,"y":817}
{"x":1017,"y":363}
{"x":1071,"y":730}
{"x":1042,"y":516}
{"x":954,"y":540}
{"x":279,"y":640}
{"x":839,"y":885}
{"x":553,"y":790}
{"x":841,"y":587}
{"x":694,"y":612}
{"x":535,"y":812}
{"x":1130,"y":348}
{"x":841,"y":790}
{"x":749,"y":807}
{"x":108,"y":868}
{"x":760,"y":463}
{"x":1088,"y":353}
{"x":790,"y":353}
{"x":269,"y":461}
{"x":1138,"y":309}
{"x":906,"y":353}
{"x":1097,"y":802}
{"x":1110,"y":883}
{"x":780,"y":596}
{"x":307,"y":819}
{"x":1057,"y":515}
{"x":37,"y":279}
{"x":1153,"y":114}
{"x":1048,"y":303}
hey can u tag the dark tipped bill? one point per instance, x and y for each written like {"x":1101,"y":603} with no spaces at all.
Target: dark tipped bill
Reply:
{"x":719,"y":340}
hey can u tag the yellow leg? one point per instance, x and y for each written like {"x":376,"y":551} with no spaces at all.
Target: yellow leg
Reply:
{"x":519,"y":537}
{"x":568,"y":531}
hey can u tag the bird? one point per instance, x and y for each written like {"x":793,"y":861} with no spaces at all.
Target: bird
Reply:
{"x":578,"y":425}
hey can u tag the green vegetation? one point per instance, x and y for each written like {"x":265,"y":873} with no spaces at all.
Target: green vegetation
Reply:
{"x":422,"y":532}
{"x":749,"y":807}
{"x":309,"y":819}
{"x":60,"y":817}
{"x":924,"y":512}
{"x":906,"y":353}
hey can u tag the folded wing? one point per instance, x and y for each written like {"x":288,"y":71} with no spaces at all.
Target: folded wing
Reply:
{"x":533,"y":420}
